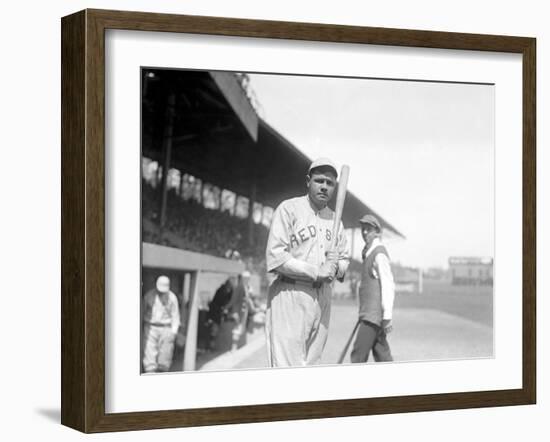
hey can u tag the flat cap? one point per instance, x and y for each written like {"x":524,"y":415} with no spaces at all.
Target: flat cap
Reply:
{"x":372,"y":220}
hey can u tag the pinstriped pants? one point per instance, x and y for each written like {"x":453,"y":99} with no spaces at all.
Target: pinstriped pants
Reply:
{"x":159,"y":348}
{"x":297,"y":322}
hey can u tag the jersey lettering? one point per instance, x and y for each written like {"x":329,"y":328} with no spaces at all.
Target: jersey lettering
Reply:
{"x":301,"y":232}
{"x":303,"y":235}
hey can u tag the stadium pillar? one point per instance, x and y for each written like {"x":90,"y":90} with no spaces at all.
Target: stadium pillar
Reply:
{"x":251,"y":214}
{"x":180,"y":191}
{"x":185,"y":298}
{"x":158,"y":175}
{"x":201,"y":199}
{"x":235,"y":204}
{"x":190,"y":352}
{"x":186,"y":288}
{"x":167,"y":153}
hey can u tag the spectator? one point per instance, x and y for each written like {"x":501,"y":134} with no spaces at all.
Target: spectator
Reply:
{"x":217,"y":308}
{"x":238,"y":309}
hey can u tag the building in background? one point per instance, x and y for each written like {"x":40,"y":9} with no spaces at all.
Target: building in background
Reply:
{"x":471,"y":270}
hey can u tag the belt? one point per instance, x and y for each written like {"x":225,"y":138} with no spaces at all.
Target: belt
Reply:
{"x":314,"y":284}
{"x":158,"y":324}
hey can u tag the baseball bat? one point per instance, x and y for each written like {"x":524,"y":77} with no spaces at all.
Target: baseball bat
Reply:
{"x":340,"y":199}
{"x":345,"y":350}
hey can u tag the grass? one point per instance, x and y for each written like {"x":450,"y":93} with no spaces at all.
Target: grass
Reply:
{"x":472,"y":303}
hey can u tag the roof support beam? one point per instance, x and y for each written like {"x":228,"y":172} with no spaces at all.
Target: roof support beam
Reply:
{"x":238,"y":100}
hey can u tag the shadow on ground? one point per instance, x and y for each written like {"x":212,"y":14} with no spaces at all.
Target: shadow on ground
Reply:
{"x":52,"y":414}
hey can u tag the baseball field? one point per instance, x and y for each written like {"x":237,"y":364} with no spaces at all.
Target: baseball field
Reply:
{"x":442,"y":322}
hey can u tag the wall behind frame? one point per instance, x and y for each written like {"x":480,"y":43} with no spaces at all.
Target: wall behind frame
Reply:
{"x":30,"y":187}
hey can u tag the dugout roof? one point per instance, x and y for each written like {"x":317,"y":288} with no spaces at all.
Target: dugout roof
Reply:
{"x":216,"y":138}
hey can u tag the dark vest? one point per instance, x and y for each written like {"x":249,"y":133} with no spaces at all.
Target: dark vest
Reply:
{"x":370,"y":295}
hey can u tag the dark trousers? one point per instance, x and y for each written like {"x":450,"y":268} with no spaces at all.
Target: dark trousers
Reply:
{"x":370,"y":337}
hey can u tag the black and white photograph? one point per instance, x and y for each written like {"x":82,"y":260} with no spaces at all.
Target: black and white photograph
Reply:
{"x":271,"y":221}
{"x":300,"y":220}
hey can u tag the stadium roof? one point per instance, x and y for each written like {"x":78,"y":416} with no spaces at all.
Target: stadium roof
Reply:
{"x":212,"y":141}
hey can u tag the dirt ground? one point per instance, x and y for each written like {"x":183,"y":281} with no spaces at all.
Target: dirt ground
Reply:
{"x":443,"y":322}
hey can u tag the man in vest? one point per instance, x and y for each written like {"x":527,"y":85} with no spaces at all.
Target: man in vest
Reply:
{"x":376,"y":296}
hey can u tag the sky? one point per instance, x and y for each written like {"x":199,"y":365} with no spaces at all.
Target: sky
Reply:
{"x":421,"y":154}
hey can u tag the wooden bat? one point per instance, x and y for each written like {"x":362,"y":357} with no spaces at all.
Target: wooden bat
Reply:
{"x":345,"y":350}
{"x":340,"y":199}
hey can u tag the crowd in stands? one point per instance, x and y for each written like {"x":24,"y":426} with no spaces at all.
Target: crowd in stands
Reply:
{"x":191,"y":226}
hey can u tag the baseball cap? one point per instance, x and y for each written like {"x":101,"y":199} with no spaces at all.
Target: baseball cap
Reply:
{"x":320,"y":162}
{"x":372,"y":220}
{"x":163,"y":284}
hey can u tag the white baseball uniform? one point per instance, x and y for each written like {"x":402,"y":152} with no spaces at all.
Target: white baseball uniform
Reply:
{"x":161,"y":321}
{"x":298,"y":312}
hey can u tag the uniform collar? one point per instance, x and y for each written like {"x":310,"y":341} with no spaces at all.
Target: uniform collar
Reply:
{"x":313,"y":207}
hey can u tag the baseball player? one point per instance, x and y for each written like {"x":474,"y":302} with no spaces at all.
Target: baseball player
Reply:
{"x":298,"y":306}
{"x":161,"y":321}
{"x":376,"y":296}
{"x":238,"y":309}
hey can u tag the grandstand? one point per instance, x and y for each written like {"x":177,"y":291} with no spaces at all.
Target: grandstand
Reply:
{"x":212,"y":173}
{"x":191,"y":226}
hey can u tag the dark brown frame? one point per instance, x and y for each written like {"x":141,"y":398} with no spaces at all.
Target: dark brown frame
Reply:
{"x":83,"y":217}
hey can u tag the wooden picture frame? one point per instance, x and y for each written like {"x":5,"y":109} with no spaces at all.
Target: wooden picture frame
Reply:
{"x":83,"y":220}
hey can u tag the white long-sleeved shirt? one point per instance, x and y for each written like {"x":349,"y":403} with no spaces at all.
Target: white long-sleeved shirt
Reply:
{"x":382,"y":271}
